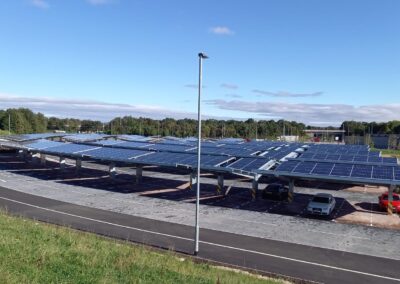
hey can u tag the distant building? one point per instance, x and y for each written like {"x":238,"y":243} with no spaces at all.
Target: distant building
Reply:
{"x":325,"y":135}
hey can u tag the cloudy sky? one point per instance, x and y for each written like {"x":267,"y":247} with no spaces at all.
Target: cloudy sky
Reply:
{"x":319,"y":62}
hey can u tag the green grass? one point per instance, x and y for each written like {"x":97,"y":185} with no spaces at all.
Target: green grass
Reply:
{"x":389,"y":152}
{"x":34,"y":252}
{"x":3,"y":132}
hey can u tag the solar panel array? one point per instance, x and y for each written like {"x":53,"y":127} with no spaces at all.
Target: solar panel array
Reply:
{"x":340,"y":170}
{"x":69,"y":149}
{"x":248,"y":164}
{"x":43,"y":144}
{"x":111,"y":154}
{"x":372,"y":158}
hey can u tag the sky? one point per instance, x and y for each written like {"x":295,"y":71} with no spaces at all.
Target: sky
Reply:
{"x":318,"y":62}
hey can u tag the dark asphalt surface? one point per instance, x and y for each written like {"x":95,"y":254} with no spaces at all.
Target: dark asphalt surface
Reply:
{"x":279,"y":257}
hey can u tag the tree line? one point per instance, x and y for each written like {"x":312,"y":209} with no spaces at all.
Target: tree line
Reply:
{"x":23,"y":120}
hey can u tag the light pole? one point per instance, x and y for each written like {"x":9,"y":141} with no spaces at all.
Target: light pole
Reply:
{"x":196,"y":241}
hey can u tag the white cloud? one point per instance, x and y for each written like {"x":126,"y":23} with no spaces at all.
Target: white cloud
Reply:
{"x":229,"y":86}
{"x":99,"y":2}
{"x":220,"y":30}
{"x":87,"y":109}
{"x":193,"y":86}
{"x":233,"y":96}
{"x":284,"y":94}
{"x":315,"y":114}
{"x":40,"y":4}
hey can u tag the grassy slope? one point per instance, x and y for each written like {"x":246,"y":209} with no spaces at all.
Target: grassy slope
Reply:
{"x":33,"y":252}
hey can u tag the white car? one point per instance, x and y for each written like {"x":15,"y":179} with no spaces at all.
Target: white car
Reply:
{"x":321,"y":204}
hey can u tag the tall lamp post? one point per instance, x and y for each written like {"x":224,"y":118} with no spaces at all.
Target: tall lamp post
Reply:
{"x":197,"y":228}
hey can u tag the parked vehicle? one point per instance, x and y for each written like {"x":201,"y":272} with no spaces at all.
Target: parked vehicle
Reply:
{"x":321,"y":204}
{"x":384,"y":201}
{"x":276,"y":191}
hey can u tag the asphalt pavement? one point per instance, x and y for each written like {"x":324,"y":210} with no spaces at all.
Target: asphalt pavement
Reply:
{"x":269,"y":256}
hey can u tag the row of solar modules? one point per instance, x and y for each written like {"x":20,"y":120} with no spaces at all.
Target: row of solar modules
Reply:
{"x":360,"y":150}
{"x":347,"y":158}
{"x":144,"y":156}
{"x":241,"y":151}
{"x":341,"y":170}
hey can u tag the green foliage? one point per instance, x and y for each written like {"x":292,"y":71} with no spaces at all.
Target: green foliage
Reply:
{"x":33,"y":252}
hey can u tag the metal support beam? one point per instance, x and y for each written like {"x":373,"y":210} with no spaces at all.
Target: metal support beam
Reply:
{"x":112,"y":170}
{"x":42,"y":159}
{"x":291,"y":191}
{"x":390,"y":200}
{"x":62,"y":163}
{"x":254,"y":189}
{"x":139,"y":174}
{"x":193,"y":179}
{"x":220,"y":185}
{"x":35,"y":158}
{"x":78,"y":166}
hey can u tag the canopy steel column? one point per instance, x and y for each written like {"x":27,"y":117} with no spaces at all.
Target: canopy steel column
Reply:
{"x":220,"y":185}
{"x":62,"y":163}
{"x":390,"y":200}
{"x":78,"y":166}
{"x":139,"y":174}
{"x":112,"y":170}
{"x":43,"y":159}
{"x":291,"y":191}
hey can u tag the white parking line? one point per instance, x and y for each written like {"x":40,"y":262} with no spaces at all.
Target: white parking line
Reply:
{"x":2,"y":180}
{"x":208,"y":243}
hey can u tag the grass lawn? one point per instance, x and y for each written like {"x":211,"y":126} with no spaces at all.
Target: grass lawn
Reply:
{"x":390,"y":153}
{"x":34,"y":252}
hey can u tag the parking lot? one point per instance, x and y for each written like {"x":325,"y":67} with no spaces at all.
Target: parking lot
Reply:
{"x":165,"y":194}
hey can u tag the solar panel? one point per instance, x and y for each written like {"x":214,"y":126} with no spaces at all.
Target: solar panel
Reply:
{"x":287,"y":166}
{"x":305,"y":167}
{"x":69,"y":148}
{"x":396,"y":173}
{"x":362,"y":171}
{"x":84,"y":137}
{"x":342,"y":170}
{"x":115,"y":154}
{"x":43,"y":144}
{"x":323,"y":168}
{"x":248,"y":164}
{"x":383,"y":172}
{"x":389,"y":160}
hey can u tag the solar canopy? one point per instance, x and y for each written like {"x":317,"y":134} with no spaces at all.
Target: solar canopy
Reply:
{"x":340,"y":170}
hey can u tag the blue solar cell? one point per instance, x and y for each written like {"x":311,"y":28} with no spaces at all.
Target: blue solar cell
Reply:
{"x":69,"y":148}
{"x":248,"y":164}
{"x":374,"y":159}
{"x":362,"y":171}
{"x":133,"y":145}
{"x":396,"y":173}
{"x":360,"y":158}
{"x":320,"y":156}
{"x":323,"y":168}
{"x":342,"y":170}
{"x":287,"y":166}
{"x":346,"y":157}
{"x":43,"y":144}
{"x":383,"y":172}
{"x":333,"y":157}
{"x":114,"y":154}
{"x":307,"y":155}
{"x":305,"y":167}
{"x":389,"y":160}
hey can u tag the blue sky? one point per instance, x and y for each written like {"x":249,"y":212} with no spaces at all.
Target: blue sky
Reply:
{"x":314,"y":61}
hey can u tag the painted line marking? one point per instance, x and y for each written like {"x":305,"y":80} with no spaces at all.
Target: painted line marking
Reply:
{"x":2,"y":180}
{"x":208,"y":243}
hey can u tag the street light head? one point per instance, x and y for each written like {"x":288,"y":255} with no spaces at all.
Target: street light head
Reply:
{"x":203,"y":55}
